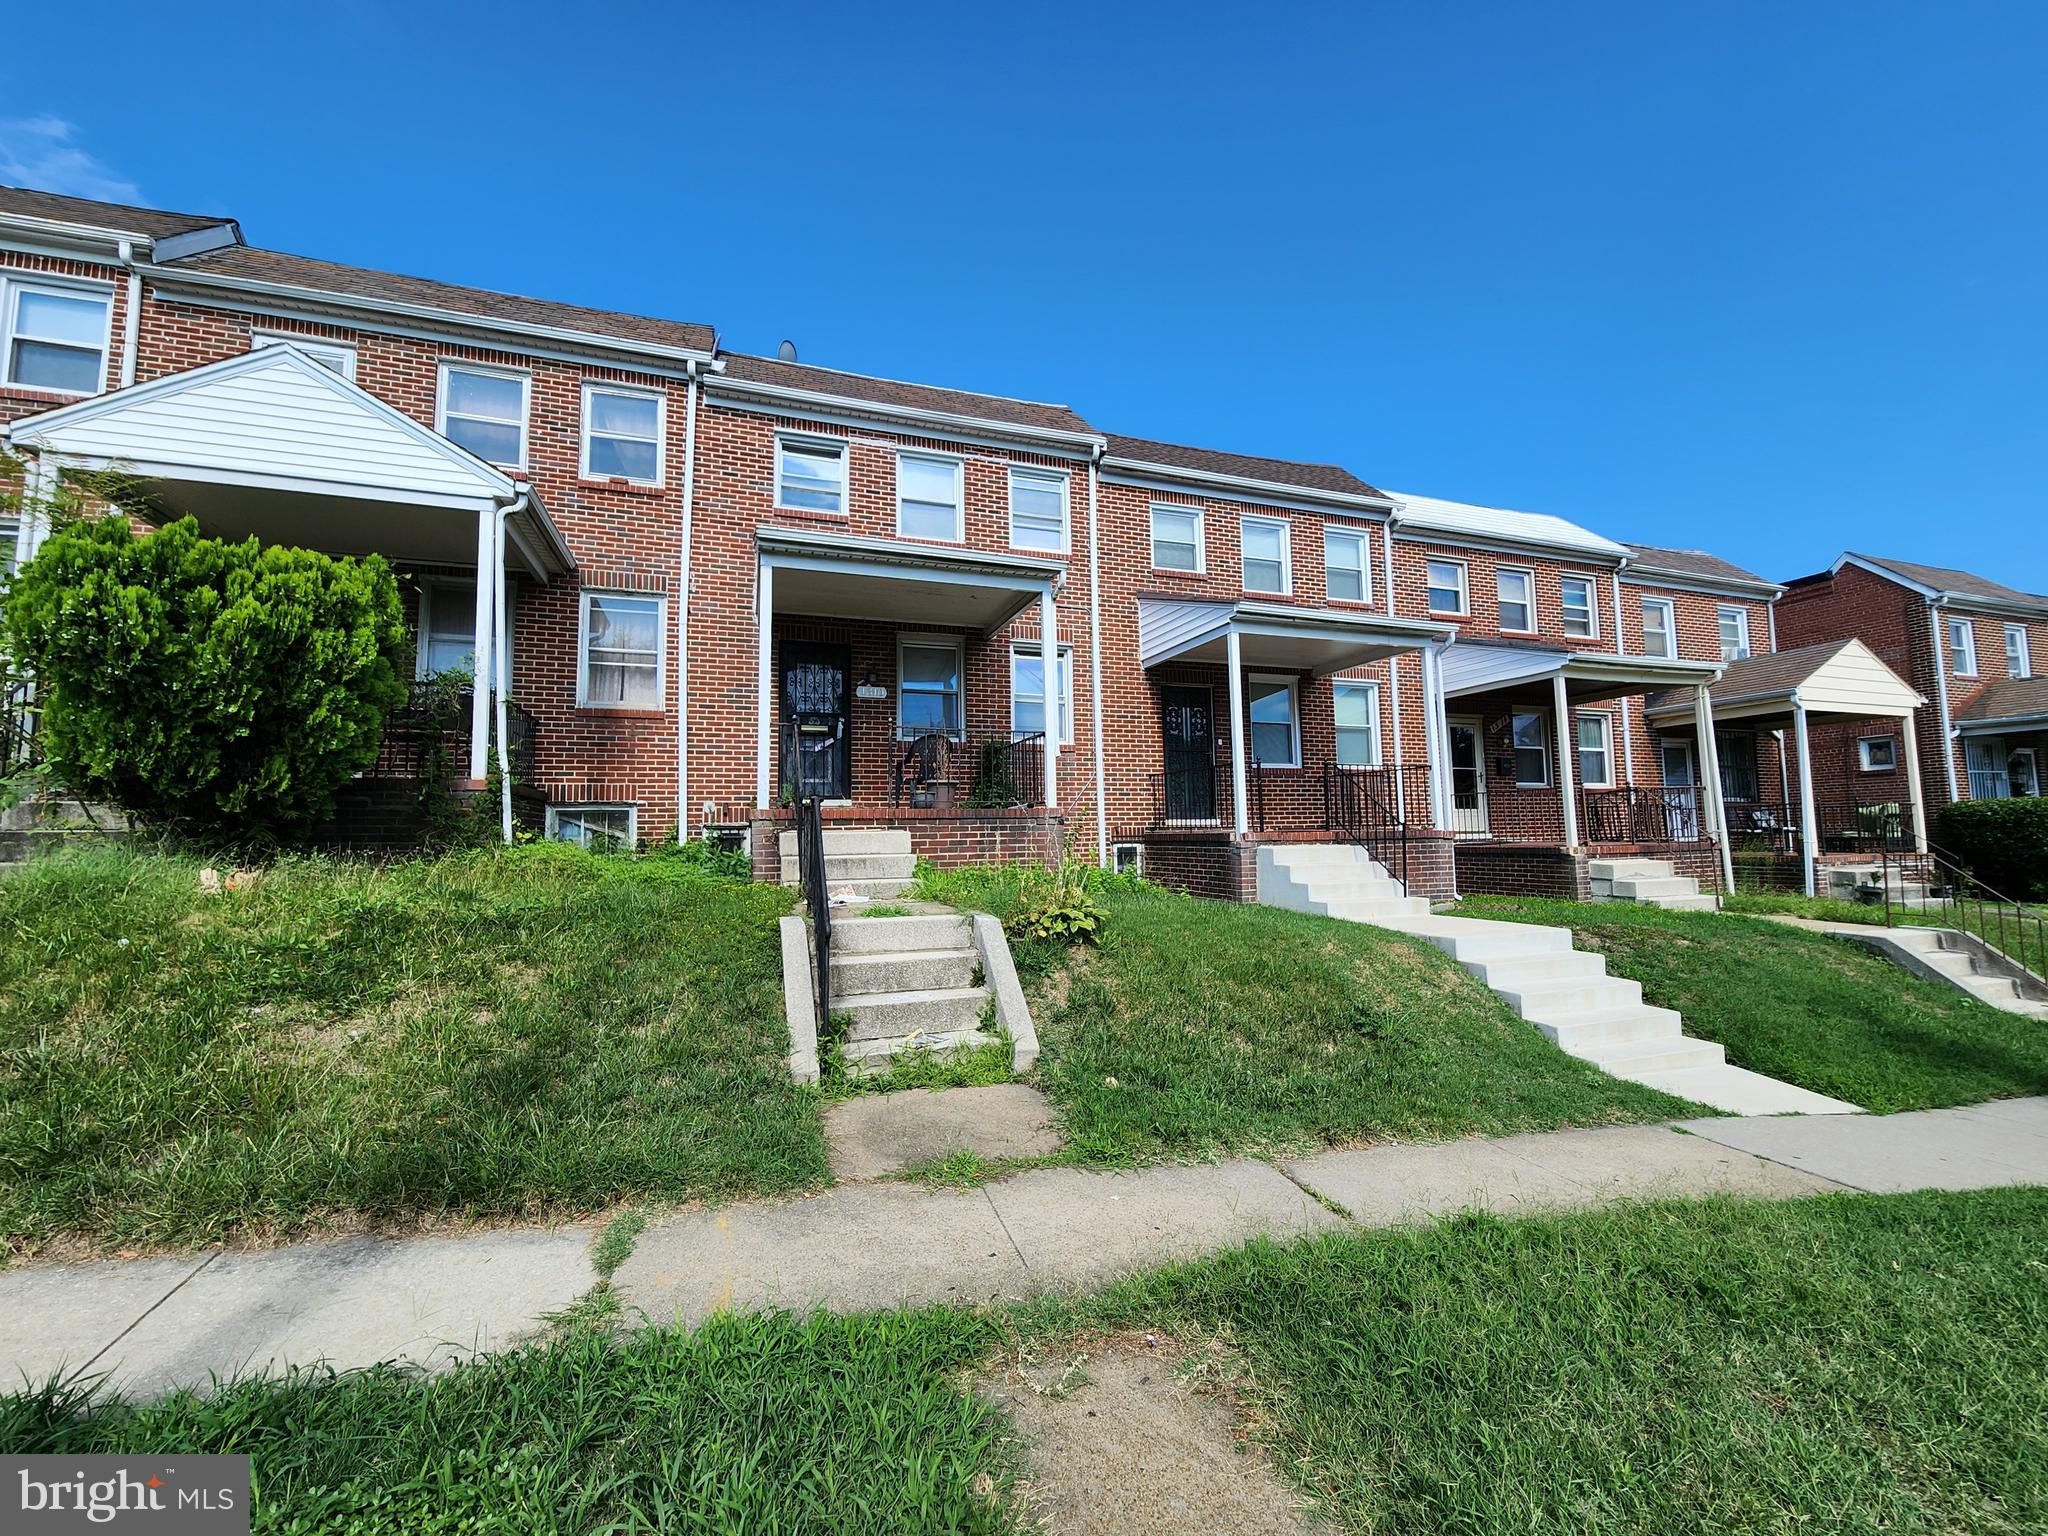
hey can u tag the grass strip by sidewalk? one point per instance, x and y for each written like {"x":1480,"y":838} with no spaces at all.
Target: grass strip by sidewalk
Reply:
{"x":1822,"y":1012}
{"x":1204,"y":1028}
{"x":346,"y":1044}
{"x":1842,"y":1364}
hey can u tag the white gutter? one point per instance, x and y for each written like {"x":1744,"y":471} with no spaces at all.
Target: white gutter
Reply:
{"x":853,"y":405}
{"x":1095,"y":659}
{"x":131,"y":328}
{"x":1144,"y":468}
{"x":1948,"y":744}
{"x":1394,"y":669}
{"x":683,"y":615}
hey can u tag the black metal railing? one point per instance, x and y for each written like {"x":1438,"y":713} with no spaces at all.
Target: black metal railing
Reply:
{"x":990,"y":772}
{"x":810,"y":860}
{"x":18,"y":749}
{"x":1359,"y":804}
{"x":1191,"y":796}
{"x":1952,"y":897}
{"x":1670,"y":814}
{"x":429,"y":733}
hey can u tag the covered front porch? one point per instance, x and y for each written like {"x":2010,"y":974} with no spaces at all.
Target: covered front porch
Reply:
{"x":2004,"y":736}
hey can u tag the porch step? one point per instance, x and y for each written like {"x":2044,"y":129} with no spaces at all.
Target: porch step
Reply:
{"x":1589,"y":1031}
{"x":899,"y":935}
{"x":841,"y":867}
{"x":1653,"y":882}
{"x":847,"y":841}
{"x":903,"y":970}
{"x":1681,"y":1054}
{"x":893,"y":1015}
{"x":1333,"y":879}
{"x":872,"y":1058}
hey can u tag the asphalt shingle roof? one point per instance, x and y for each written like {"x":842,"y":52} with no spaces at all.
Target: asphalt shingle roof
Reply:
{"x":1963,"y":583}
{"x":155,"y":223}
{"x":1002,"y":409}
{"x":1314,"y":477}
{"x":2011,"y":699}
{"x":1691,"y":562}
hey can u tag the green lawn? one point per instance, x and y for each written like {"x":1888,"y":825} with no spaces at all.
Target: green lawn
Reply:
{"x":1202,"y":1028}
{"x":343,"y":1043}
{"x":1824,"y":1013}
{"x":1843,"y":1365}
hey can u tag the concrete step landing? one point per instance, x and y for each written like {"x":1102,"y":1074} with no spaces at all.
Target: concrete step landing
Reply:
{"x":1653,"y":882}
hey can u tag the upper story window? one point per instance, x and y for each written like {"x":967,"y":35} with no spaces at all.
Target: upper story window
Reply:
{"x":1581,"y":607}
{"x":1275,"y":733}
{"x":335,"y":356}
{"x":1177,"y":538}
{"x":622,"y":434}
{"x":1517,"y":591}
{"x":810,"y":474}
{"x":1660,"y":627}
{"x":1734,"y":621}
{"x":1347,"y":572}
{"x":1268,"y":560}
{"x":54,"y":337}
{"x":1447,"y":589}
{"x":1027,"y":692}
{"x":1038,"y":510}
{"x":1356,"y":707}
{"x":484,"y":410}
{"x":1962,"y":647}
{"x":621,"y":659}
{"x":2019,"y":659}
{"x":928,"y":497}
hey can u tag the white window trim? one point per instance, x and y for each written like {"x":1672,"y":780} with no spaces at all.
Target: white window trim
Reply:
{"x":633,"y":392}
{"x":1066,"y":654}
{"x":935,"y":642}
{"x":959,"y":467}
{"x":631,"y":809}
{"x":1063,"y":483}
{"x":1963,"y":657}
{"x":1286,"y":529}
{"x":1514,"y":750}
{"x":1721,"y":611}
{"x":1201,"y":518}
{"x":583,"y":699}
{"x":525,"y":380}
{"x":1529,"y":603}
{"x":2025,"y":659}
{"x":1670,"y":611}
{"x":1362,"y":537}
{"x":1464,"y":608}
{"x":430,"y":596}
{"x":1606,"y":723}
{"x":1371,"y":690}
{"x":12,"y":287}
{"x":1592,"y":604}
{"x":1293,"y":687}
{"x":838,"y":446}
{"x":1863,"y":746}
{"x":345,"y":351}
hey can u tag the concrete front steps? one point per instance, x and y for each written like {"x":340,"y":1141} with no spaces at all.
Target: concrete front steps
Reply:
{"x":1942,"y":951}
{"x":907,"y":983}
{"x":875,"y":862}
{"x":1654,"y":882}
{"x":1333,"y":879}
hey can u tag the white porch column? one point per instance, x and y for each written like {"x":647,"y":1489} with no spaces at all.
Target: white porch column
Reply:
{"x":1567,"y":752}
{"x":1910,"y":743}
{"x":1049,"y":667}
{"x":1400,"y":758}
{"x":1713,"y":806}
{"x":39,"y":486}
{"x":484,"y":672}
{"x":1239,"y":811}
{"x":501,"y":673}
{"x":1809,"y":824}
{"x":1435,"y":740}
{"x":764,"y":681}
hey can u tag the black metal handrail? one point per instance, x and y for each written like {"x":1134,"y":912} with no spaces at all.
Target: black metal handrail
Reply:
{"x":810,"y":862}
{"x":1189,"y":797}
{"x":1358,"y":803}
{"x":433,"y":725}
{"x":1637,"y":814}
{"x":18,"y":748}
{"x":1960,"y":900}
{"x":988,"y":772}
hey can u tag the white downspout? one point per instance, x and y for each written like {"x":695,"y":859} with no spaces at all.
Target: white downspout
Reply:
{"x":1628,"y":718}
{"x":1095,"y":656}
{"x":1948,"y":745}
{"x":500,"y":673}
{"x":131,"y":326}
{"x":1394,"y":671}
{"x":683,"y":612}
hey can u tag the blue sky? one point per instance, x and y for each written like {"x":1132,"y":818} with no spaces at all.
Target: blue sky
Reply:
{"x":1770,"y":279}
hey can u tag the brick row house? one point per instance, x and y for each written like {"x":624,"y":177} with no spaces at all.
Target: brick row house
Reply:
{"x":688,"y":582}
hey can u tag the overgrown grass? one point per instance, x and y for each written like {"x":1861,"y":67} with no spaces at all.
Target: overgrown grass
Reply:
{"x":490,"y":1034}
{"x":1846,"y":1364}
{"x":1818,"y":1011}
{"x":1200,"y":1028}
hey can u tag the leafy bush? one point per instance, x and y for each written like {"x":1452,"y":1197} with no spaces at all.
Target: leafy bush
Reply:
{"x":2004,"y":843}
{"x":1058,"y":904}
{"x":704,"y":857}
{"x":213,"y":688}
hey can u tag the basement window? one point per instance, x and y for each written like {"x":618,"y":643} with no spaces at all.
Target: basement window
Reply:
{"x":601,"y":828}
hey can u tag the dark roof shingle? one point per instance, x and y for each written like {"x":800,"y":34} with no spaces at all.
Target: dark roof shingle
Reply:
{"x":154,"y":223}
{"x":743,"y":368}
{"x":1963,"y":583}
{"x":1313,"y":477}
{"x":1691,"y":562}
{"x":2010,"y":699}
{"x":1760,"y":676}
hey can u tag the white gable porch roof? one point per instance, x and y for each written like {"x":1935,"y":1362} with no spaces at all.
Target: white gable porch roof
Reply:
{"x":1318,"y":640}
{"x":1841,"y":678}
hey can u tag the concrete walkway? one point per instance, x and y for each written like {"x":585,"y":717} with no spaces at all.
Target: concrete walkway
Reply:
{"x":152,"y":1324}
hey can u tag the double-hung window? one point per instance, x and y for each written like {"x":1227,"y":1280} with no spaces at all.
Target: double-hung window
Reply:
{"x":1596,"y":751}
{"x":810,"y":474}
{"x":54,"y":336}
{"x":1357,"y":711}
{"x":1275,"y":734}
{"x":622,"y":651}
{"x":10,"y":546}
{"x":1038,"y":510}
{"x":1268,"y":560}
{"x":605,"y":828}
{"x":334,"y":356}
{"x":928,"y":691}
{"x":1532,"y":752}
{"x":1962,"y":647}
{"x":484,"y":410}
{"x":1027,"y":692}
{"x":1660,"y":627}
{"x":2019,"y":660}
{"x":1447,"y":591}
{"x":1177,"y":538}
{"x":1581,"y":607}
{"x":928,"y":497}
{"x":447,"y":628}
{"x":622,"y":434}
{"x":1734,"y":622}
{"x":1517,"y":589}
{"x":1347,"y":572}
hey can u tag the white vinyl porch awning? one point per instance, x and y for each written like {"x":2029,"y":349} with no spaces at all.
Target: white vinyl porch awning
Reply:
{"x":271,"y":443}
{"x":1474,"y":667}
{"x":840,"y":576}
{"x":1314,"y":640}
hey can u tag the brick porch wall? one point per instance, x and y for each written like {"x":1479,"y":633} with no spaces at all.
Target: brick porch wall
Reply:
{"x":1522,"y":869}
{"x":950,"y":839}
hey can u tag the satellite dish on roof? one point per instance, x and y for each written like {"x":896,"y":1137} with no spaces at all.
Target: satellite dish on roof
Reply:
{"x":787,"y":351}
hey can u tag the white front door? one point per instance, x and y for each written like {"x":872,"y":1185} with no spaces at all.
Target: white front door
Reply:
{"x":1468,"y":779}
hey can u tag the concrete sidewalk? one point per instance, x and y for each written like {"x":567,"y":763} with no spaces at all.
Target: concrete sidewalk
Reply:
{"x":152,"y":1324}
